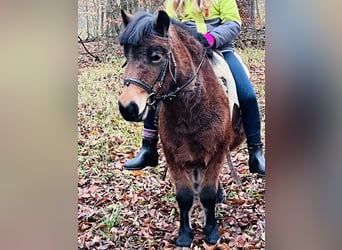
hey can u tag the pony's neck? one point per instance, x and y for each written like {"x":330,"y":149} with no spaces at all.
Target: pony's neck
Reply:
{"x":188,"y":53}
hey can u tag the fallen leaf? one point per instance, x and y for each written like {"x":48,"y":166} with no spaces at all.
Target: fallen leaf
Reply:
{"x":137,"y":172}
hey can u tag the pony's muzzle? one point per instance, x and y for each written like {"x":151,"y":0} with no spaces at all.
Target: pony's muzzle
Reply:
{"x":130,"y":112}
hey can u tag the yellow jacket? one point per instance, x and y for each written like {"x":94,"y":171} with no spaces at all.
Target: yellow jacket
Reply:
{"x":221,"y":19}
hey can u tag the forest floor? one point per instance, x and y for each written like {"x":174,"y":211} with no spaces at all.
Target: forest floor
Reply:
{"x":119,"y":209}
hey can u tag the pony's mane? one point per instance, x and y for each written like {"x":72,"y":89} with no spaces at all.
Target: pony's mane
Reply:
{"x":199,"y":37}
{"x":141,"y":26}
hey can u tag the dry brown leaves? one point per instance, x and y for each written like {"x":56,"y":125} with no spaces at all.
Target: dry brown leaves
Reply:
{"x":149,"y":215}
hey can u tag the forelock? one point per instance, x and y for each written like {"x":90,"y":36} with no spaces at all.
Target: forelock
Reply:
{"x":137,"y":29}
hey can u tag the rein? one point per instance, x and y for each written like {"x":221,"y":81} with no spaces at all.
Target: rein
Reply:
{"x":152,"y":98}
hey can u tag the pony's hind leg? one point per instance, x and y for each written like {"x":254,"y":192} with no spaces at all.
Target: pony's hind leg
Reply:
{"x":208,"y":196}
{"x":220,"y":194}
{"x":185,"y":198}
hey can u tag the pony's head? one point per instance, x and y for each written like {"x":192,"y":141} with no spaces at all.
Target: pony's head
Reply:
{"x":147,"y":52}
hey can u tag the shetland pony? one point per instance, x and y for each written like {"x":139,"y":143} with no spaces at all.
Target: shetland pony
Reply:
{"x":167,"y":63}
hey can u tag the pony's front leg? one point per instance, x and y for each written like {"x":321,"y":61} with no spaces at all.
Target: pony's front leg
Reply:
{"x":208,"y":200}
{"x":185,"y":198}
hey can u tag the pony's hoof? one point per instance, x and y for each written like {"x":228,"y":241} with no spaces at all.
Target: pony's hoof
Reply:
{"x":212,"y":238}
{"x":184,"y":240}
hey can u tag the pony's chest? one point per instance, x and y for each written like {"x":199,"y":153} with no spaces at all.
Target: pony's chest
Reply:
{"x":188,"y":148}
{"x":193,"y":134}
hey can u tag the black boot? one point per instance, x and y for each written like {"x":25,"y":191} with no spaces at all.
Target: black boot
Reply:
{"x":256,"y":159}
{"x":148,"y":156}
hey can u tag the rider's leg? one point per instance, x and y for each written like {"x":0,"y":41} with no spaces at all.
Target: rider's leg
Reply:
{"x":148,"y":154}
{"x":250,"y":113}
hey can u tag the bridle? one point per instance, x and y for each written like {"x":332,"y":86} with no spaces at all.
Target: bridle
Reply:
{"x":153,"y":98}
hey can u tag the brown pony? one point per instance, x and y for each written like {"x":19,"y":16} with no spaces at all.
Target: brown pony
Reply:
{"x":166,"y":62}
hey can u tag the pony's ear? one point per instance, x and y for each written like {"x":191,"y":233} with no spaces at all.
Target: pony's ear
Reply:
{"x":162,"y":23}
{"x":126,"y":17}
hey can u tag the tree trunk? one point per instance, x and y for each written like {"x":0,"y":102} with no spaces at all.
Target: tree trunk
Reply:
{"x":252,"y":14}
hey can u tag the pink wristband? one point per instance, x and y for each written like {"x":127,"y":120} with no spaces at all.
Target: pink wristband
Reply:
{"x":210,"y":39}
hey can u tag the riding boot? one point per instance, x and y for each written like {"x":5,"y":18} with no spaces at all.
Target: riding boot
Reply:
{"x":148,"y":156}
{"x":256,"y":159}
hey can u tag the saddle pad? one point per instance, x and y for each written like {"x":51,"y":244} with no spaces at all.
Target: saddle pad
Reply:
{"x":226,"y":79}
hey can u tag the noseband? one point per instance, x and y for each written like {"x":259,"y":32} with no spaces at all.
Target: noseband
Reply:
{"x":152,"y":98}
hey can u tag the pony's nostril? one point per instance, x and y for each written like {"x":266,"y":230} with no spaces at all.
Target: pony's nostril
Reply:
{"x":129,"y":112}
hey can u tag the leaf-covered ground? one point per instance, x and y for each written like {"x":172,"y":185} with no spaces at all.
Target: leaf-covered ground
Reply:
{"x":118,"y":209}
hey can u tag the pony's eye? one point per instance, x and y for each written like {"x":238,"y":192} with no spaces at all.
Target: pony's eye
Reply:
{"x":155,"y":58}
